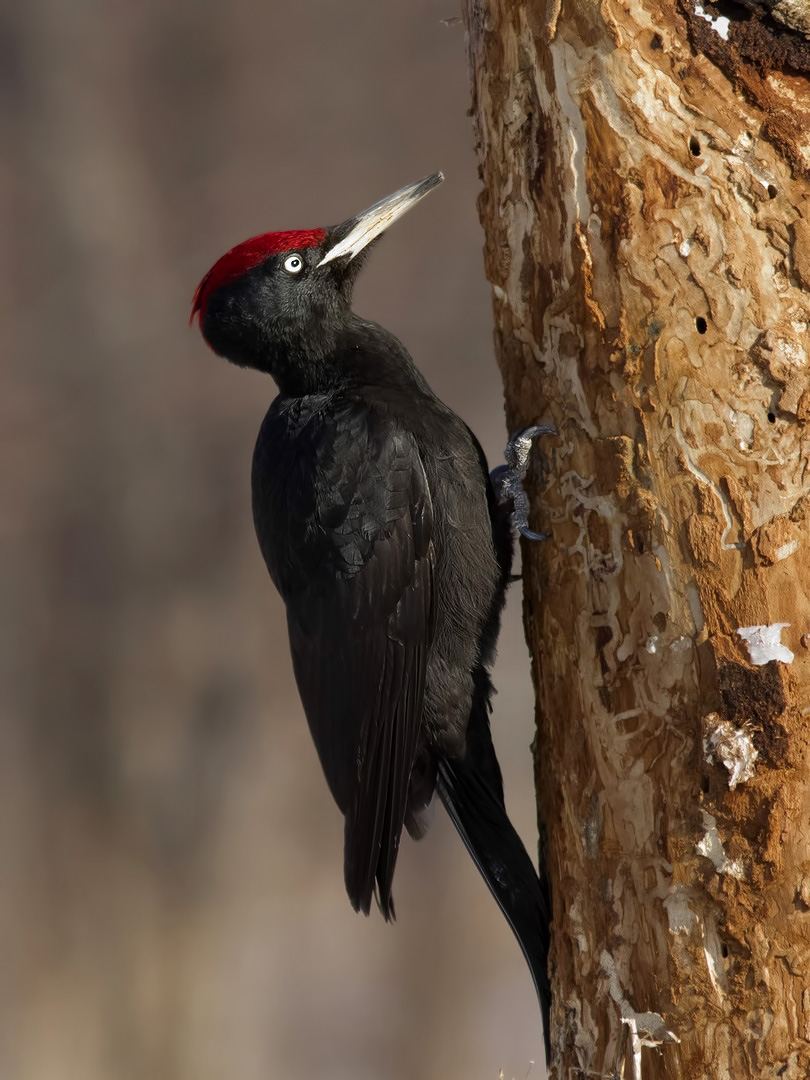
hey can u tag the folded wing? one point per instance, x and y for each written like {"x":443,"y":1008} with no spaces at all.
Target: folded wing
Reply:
{"x":354,"y":563}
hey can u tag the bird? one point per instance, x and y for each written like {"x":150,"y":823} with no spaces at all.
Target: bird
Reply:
{"x":391,"y":547}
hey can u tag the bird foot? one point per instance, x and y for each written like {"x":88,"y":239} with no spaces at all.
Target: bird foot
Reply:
{"x":507,"y":480}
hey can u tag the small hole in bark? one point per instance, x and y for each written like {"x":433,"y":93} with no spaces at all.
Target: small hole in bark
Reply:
{"x":694,"y":146}
{"x":723,"y":949}
{"x":704,"y":785}
{"x":656,"y":42}
{"x":772,"y":192}
{"x":771,"y":418}
{"x":701,"y":325}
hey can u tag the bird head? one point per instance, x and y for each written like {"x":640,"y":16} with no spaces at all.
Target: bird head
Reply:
{"x":283,"y":297}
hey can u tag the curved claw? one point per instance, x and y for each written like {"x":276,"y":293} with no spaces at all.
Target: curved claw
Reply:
{"x":530,"y":534}
{"x":508,"y":479}
{"x":519,"y":446}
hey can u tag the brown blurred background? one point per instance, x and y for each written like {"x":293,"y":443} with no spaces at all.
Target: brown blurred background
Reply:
{"x":171,"y":896}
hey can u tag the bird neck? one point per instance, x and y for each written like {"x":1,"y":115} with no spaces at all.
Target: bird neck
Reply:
{"x":359,"y":354}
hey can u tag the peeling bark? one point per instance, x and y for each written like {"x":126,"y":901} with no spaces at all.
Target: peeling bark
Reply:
{"x":646,"y":206}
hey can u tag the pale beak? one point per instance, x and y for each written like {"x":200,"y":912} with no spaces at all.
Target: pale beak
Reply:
{"x":374,"y":221}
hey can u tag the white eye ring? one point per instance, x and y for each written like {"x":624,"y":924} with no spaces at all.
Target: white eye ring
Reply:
{"x":293,"y":264}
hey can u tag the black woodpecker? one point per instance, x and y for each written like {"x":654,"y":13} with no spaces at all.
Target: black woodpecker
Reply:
{"x":385,"y":537}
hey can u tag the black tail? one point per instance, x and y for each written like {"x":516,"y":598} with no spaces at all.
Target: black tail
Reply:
{"x":472,"y":793}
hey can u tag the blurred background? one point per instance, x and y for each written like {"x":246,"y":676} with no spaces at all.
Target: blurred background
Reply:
{"x":171,"y":894}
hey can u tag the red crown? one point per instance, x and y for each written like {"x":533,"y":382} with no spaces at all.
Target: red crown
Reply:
{"x":245,"y":256}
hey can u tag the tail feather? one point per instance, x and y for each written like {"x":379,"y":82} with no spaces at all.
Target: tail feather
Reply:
{"x":482,"y":823}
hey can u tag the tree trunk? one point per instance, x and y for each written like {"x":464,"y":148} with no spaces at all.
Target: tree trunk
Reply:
{"x":647,"y":214}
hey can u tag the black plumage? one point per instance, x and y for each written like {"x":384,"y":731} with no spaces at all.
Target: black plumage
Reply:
{"x":377,"y":521}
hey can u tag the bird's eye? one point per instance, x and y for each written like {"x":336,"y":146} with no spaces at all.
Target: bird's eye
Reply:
{"x":293,"y":264}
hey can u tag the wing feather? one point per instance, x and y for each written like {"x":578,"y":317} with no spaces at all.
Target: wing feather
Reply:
{"x":353,"y":560}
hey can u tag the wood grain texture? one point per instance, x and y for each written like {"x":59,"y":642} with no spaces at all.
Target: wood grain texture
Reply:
{"x":645,"y":203}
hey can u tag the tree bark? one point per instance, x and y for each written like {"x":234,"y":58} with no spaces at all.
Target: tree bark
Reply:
{"x":646,"y":207}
